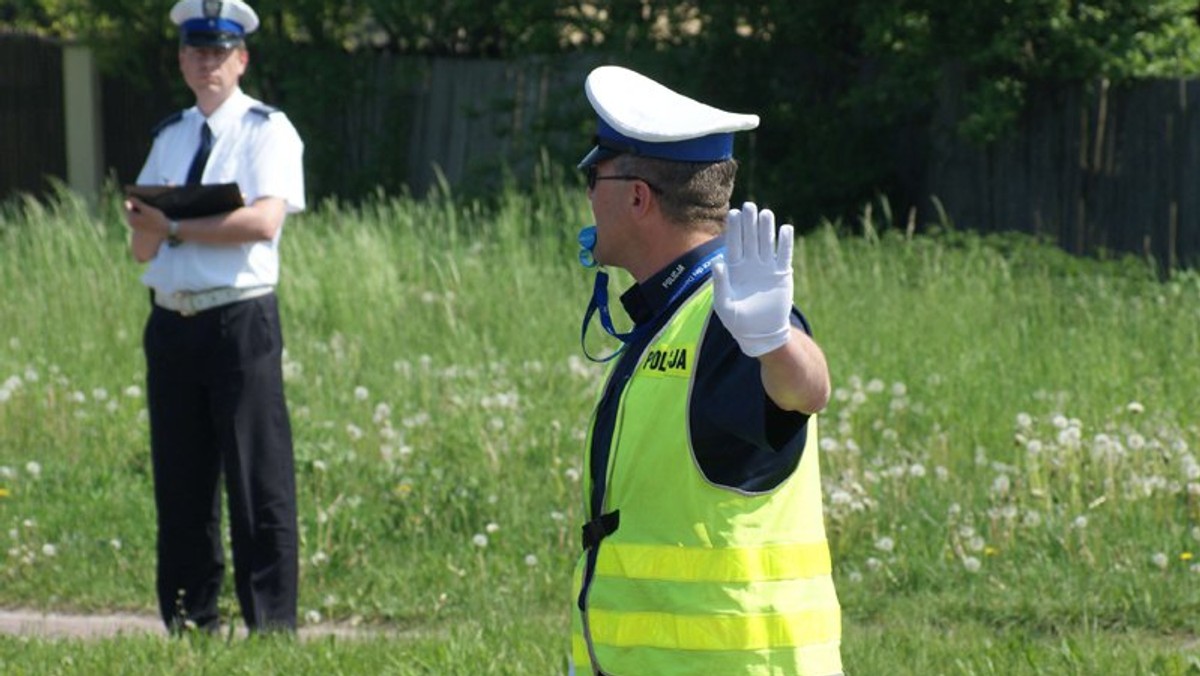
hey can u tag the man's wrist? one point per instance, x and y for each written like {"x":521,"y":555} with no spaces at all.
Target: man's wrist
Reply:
{"x":173,"y":233}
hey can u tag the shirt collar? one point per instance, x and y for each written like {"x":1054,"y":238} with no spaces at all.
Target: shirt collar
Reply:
{"x":643,"y":301}
{"x":227,"y":114}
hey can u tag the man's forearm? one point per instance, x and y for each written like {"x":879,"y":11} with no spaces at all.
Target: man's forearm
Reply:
{"x":796,"y":375}
{"x":257,"y":222}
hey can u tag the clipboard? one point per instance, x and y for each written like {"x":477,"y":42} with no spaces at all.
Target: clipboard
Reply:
{"x":189,"y":201}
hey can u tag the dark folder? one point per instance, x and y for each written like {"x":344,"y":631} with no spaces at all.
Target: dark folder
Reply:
{"x":189,"y":201}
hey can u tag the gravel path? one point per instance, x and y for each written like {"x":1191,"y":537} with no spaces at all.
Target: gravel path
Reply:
{"x":106,"y":625}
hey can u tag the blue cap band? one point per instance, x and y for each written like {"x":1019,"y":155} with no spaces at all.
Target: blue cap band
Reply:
{"x":711,"y":148}
{"x":216,"y":25}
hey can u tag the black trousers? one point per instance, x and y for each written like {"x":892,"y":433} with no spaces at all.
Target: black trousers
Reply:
{"x":216,"y":401}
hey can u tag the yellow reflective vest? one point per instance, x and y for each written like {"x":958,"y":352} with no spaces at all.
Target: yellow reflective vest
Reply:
{"x":700,"y":578}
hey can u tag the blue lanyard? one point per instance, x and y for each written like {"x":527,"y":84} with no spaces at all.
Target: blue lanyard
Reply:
{"x":599,"y":303}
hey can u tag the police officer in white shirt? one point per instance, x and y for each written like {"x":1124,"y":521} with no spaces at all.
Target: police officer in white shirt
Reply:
{"x":213,"y":342}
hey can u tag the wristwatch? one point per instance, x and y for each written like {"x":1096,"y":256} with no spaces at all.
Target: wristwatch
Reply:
{"x":173,"y":233}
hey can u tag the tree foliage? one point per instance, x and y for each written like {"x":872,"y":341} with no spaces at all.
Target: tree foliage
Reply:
{"x":839,"y":83}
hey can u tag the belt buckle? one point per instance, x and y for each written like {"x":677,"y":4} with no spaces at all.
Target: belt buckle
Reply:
{"x":183,"y":301}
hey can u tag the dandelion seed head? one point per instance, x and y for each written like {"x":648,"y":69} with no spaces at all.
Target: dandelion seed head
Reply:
{"x":1001,"y":485}
{"x":480,"y":540}
{"x":33,"y":469}
{"x":1160,"y":560}
{"x":971,"y":564}
{"x":885,"y":544}
{"x":531,"y":560}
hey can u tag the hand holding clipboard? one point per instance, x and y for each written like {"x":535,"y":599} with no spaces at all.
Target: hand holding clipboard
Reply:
{"x":189,"y":201}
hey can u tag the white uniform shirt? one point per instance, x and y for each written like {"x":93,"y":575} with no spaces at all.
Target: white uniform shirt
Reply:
{"x":263,"y":155}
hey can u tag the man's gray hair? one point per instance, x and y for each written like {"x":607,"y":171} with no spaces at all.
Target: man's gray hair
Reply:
{"x":691,"y":194}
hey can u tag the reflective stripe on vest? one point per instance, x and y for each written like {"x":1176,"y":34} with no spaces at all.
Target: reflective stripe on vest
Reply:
{"x":701,"y":578}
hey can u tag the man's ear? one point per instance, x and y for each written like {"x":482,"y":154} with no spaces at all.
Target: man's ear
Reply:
{"x":641,"y":197}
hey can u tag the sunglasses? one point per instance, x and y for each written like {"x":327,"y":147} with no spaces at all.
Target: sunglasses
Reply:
{"x":593,"y":176}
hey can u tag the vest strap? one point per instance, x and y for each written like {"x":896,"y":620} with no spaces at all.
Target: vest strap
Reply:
{"x":599,"y":528}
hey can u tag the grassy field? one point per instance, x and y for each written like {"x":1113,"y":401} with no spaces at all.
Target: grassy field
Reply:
{"x":1010,"y":458}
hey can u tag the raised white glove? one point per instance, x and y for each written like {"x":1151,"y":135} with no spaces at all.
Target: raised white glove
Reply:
{"x":752,"y":286}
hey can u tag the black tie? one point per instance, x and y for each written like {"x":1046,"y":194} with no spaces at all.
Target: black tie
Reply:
{"x":201,"y":157}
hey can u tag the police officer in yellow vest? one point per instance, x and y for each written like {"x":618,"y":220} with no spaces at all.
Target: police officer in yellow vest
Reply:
{"x":704,"y":547}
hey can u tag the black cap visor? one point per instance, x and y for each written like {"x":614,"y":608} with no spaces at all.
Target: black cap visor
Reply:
{"x":222,"y":39}
{"x":605,"y":149}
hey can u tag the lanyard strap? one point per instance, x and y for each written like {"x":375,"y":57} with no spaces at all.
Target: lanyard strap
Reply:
{"x":599,"y":302}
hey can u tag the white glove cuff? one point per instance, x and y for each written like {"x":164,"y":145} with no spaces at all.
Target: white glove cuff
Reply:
{"x":757,"y":346}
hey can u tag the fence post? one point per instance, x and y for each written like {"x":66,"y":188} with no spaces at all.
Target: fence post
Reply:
{"x":81,"y":113}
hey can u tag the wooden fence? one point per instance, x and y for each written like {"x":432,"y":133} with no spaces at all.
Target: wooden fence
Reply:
{"x":1095,"y":168}
{"x":32,"y":137}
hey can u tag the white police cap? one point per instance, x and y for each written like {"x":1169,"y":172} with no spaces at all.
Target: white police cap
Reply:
{"x":213,"y":23}
{"x":639,"y":116}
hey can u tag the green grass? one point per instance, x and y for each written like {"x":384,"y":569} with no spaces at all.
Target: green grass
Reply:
{"x":1009,"y":459}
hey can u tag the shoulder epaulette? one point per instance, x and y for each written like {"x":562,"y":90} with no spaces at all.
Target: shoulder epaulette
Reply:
{"x":264,"y":110}
{"x":168,"y":121}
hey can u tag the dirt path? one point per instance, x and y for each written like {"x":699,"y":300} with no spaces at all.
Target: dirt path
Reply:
{"x":107,"y":625}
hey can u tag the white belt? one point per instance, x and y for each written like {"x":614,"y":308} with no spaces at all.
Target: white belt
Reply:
{"x":188,"y":303}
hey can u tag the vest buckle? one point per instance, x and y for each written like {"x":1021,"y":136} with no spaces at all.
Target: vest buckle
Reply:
{"x":599,"y":528}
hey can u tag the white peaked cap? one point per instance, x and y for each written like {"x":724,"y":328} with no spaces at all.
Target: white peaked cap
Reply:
{"x":642,"y":117}
{"x":210,"y":19}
